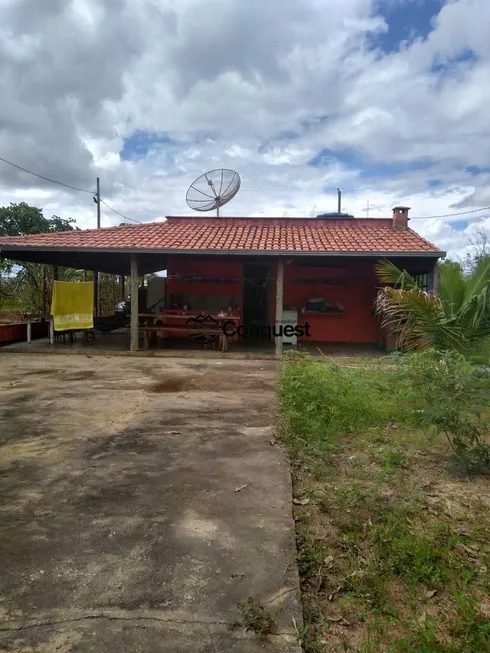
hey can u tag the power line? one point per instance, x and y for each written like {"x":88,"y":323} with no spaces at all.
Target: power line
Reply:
{"x":122,"y":216}
{"x":60,"y":183}
{"x":450,"y":215}
{"x":171,"y":190}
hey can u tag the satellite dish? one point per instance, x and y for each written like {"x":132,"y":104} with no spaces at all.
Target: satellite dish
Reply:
{"x":213,"y":189}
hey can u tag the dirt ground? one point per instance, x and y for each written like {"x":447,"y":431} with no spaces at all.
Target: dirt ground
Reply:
{"x":393,"y":546}
{"x":141,"y":500}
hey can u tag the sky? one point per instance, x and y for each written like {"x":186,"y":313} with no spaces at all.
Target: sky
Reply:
{"x":386,"y":99}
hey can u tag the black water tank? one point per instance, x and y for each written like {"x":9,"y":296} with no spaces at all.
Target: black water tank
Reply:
{"x":335,"y":215}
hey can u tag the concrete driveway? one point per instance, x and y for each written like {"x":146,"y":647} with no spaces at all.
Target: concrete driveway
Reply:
{"x":141,"y":500}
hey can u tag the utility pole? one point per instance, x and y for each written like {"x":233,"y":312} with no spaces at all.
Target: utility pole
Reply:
{"x":279,"y":304}
{"x":98,"y":202}
{"x":96,"y":273}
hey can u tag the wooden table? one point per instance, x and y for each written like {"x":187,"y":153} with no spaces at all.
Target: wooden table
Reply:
{"x":167,"y":318}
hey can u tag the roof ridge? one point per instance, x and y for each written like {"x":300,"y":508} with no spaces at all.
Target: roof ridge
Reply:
{"x":315,"y":218}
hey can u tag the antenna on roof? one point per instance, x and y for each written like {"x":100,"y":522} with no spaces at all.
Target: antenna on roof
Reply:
{"x":338,"y":215}
{"x":213,"y":189}
{"x":369,"y":207}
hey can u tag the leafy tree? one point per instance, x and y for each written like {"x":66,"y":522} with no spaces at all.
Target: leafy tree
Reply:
{"x":481,"y":248}
{"x":20,"y":219}
{"x":28,"y":286}
{"x":27,"y":282}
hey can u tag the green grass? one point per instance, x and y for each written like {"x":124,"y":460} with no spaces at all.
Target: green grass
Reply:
{"x":416,"y":557}
{"x":468,"y":633}
{"x":371,"y":545}
{"x":322,"y":402}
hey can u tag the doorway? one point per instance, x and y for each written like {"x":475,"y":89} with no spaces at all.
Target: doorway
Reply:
{"x":256,"y":295}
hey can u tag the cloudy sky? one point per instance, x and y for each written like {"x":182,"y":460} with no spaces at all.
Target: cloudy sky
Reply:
{"x":387,"y":99}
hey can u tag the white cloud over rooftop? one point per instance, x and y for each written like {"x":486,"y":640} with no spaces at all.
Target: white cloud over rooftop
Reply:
{"x":298,"y":97}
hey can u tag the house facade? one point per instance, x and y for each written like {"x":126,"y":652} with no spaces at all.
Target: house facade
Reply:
{"x":319,"y":271}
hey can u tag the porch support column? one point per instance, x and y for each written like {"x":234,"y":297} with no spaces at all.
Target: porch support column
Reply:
{"x":29,"y":329}
{"x":96,"y":293}
{"x":279,"y":302}
{"x":45,"y":299}
{"x":51,"y":319}
{"x":134,"y":302}
{"x":435,"y":278}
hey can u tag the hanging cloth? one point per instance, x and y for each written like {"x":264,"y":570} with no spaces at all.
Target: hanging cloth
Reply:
{"x":72,"y":306}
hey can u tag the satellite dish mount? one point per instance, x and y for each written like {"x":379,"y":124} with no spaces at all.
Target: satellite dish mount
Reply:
{"x":213,"y":190}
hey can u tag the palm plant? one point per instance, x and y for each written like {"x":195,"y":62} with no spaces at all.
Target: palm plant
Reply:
{"x":458,"y":318}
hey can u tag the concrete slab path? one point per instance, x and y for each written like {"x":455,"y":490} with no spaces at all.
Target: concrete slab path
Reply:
{"x":141,"y":500}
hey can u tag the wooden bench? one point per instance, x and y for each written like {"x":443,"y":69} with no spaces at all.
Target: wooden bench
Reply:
{"x":148,"y":330}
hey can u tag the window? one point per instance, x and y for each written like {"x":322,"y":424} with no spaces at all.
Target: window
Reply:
{"x":423,"y":281}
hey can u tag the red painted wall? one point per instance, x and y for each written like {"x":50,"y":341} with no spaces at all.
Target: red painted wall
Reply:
{"x":353,"y":284}
{"x":18,"y":331}
{"x":206,"y":269}
{"x":355,"y":288}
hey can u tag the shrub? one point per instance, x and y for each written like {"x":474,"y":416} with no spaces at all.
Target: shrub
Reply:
{"x":453,"y":396}
{"x":442,"y":391}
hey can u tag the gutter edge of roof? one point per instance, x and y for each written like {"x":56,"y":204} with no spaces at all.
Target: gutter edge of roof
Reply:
{"x":217,"y":252}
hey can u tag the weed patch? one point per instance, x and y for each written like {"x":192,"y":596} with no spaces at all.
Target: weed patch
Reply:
{"x":391,"y":546}
{"x":256,"y":618}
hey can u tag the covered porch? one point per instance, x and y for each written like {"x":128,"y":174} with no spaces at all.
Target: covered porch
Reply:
{"x":255,"y":292}
{"x":274,"y":283}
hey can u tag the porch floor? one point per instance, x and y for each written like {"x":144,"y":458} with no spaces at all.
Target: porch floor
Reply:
{"x":117,"y":343}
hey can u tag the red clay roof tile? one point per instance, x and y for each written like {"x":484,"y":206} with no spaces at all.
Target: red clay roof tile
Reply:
{"x":238,"y":234}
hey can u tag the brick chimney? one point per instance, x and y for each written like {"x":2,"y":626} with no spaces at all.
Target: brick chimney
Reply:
{"x":400,"y":217}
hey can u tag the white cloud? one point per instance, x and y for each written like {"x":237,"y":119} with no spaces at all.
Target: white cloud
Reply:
{"x":259,"y":86}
